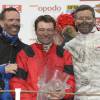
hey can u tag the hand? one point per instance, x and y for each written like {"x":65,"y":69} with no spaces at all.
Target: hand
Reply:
{"x":56,"y":96}
{"x":11,"y":68}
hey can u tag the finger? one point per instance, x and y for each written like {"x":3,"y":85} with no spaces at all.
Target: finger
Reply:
{"x":53,"y":96}
{"x":13,"y":72}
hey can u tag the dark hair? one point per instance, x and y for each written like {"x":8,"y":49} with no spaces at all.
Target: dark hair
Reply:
{"x":84,"y":7}
{"x":45,"y":18}
{"x":0,"y":16}
{"x":7,"y":10}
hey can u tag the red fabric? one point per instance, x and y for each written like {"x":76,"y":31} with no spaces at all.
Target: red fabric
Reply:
{"x":72,"y":89}
{"x":63,"y":20}
{"x":35,"y":66}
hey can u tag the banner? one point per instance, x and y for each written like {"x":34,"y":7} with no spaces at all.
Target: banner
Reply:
{"x":31,"y":9}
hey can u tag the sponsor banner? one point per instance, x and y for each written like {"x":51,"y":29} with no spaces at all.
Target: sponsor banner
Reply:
{"x":98,"y":23}
{"x":71,"y":8}
{"x":89,"y":0}
{"x":18,"y":7}
{"x":97,"y":8}
{"x":46,"y":8}
{"x":31,"y":9}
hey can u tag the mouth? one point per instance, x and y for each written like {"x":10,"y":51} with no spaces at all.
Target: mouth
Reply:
{"x":83,"y":27}
{"x":15,"y":28}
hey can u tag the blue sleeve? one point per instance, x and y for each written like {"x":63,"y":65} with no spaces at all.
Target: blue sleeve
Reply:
{"x":2,"y":68}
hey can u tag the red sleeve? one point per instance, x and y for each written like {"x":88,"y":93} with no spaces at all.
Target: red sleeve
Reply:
{"x":17,"y":82}
{"x":69,"y":71}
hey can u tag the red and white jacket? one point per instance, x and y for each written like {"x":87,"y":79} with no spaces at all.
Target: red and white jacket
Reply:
{"x":34,"y":67}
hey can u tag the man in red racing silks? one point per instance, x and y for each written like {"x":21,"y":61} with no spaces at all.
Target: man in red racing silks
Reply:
{"x":33,"y":60}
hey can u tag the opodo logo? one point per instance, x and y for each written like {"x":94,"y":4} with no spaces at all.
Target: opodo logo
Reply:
{"x":18,"y":7}
{"x":43,"y":9}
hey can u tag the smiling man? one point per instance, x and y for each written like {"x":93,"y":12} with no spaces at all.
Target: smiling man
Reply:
{"x":9,"y":47}
{"x":46,"y":55}
{"x":85,"y":48}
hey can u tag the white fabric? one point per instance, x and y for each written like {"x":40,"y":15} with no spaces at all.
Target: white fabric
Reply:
{"x":86,"y":59}
{"x":17,"y":93}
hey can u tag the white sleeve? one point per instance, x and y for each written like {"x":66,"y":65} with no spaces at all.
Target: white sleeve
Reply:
{"x":75,"y":48}
{"x":70,"y":46}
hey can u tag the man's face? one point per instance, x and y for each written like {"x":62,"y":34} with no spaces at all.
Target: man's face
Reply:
{"x":11,"y":22}
{"x":84,"y":21}
{"x":45,"y":32}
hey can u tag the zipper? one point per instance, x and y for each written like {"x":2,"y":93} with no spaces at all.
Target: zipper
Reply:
{"x":10,"y":55}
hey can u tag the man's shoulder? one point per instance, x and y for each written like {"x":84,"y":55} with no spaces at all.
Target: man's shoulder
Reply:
{"x":27,"y":50}
{"x":72,"y":42}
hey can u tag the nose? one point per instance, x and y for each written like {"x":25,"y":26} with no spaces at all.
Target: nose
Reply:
{"x":83,"y":19}
{"x":45,"y":33}
{"x":16,"y":22}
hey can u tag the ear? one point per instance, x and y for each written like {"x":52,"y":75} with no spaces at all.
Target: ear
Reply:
{"x":56,"y":32}
{"x":1,"y":23}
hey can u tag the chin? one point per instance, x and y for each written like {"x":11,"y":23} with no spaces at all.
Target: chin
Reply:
{"x":14,"y":33}
{"x":46,"y":43}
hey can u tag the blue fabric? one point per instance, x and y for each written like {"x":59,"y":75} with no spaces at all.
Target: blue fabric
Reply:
{"x":6,"y":95}
{"x":5,"y":77}
{"x":2,"y":68}
{"x":10,"y":38}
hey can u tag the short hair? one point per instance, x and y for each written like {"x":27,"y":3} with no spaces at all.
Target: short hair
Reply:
{"x":84,"y":7}
{"x":45,"y":18}
{"x":8,"y":10}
